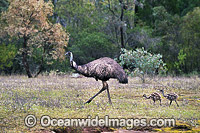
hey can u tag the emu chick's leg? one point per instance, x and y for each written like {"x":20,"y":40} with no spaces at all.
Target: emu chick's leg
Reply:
{"x":104,"y":87}
{"x":154,"y":101}
{"x":170,"y":103}
{"x":176,"y":103}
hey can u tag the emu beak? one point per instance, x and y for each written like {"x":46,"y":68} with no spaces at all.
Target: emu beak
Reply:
{"x":67,"y":53}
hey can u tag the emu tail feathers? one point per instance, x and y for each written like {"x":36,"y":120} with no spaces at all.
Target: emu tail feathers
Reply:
{"x":123,"y":79}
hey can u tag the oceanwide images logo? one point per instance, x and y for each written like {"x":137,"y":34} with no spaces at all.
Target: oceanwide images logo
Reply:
{"x":130,"y":123}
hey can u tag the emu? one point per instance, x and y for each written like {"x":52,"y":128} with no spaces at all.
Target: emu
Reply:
{"x":154,"y":96}
{"x":171,"y":97}
{"x":101,"y":69}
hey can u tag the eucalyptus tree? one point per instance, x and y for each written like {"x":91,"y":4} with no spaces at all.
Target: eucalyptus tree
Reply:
{"x":28,"y":20}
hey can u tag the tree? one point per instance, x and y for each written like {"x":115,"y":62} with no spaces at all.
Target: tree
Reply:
{"x":168,"y":28}
{"x":85,"y":21}
{"x":180,"y":39}
{"x":111,"y":17}
{"x":191,"y":36}
{"x":78,"y":15}
{"x":120,"y":17}
{"x":28,"y":20}
{"x":91,"y":46}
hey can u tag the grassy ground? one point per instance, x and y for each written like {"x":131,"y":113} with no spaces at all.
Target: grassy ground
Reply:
{"x":64,"y":97}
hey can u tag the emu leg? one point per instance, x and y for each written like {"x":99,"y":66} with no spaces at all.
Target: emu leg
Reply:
{"x":104,"y":87}
{"x":160,"y":103}
{"x":154,"y":102}
{"x":176,"y":103}
{"x":170,"y":103}
{"x":108,"y":93}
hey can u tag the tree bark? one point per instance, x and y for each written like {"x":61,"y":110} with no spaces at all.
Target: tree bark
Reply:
{"x":40,"y":70}
{"x":121,"y":26}
{"x":24,"y":55}
{"x":122,"y":37}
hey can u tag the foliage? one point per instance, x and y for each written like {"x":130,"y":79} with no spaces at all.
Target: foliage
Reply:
{"x":3,"y":5}
{"x":7,"y":54}
{"x":29,"y":20}
{"x":190,"y":33}
{"x":173,"y":7}
{"x":181,"y":60}
{"x":161,"y":15}
{"x":84,"y":23}
{"x":155,"y":25}
{"x":120,"y":16}
{"x":168,"y":27}
{"x":141,"y":62}
{"x":111,"y":17}
{"x":179,"y":37}
{"x":143,"y":37}
{"x":91,"y":46}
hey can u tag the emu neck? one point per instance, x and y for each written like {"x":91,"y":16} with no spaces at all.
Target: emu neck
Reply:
{"x":82,"y":69}
{"x":147,"y":97}
{"x":71,"y":57}
{"x":72,"y":62}
{"x":163,"y":94}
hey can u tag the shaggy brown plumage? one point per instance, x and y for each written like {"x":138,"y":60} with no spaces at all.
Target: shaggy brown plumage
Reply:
{"x":101,"y":69}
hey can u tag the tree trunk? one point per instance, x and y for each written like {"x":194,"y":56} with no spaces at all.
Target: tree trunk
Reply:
{"x":122,"y":37}
{"x":24,"y":55}
{"x":121,"y":26}
{"x":40,"y":70}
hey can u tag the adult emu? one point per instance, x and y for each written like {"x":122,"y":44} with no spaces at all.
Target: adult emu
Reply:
{"x":101,"y":69}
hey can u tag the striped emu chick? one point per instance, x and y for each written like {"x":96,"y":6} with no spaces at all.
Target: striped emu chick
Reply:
{"x":154,"y":96}
{"x":171,"y":97}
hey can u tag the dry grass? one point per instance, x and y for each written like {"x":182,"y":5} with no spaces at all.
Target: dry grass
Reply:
{"x":64,"y":97}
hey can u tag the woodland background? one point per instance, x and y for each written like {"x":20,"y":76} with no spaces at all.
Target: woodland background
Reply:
{"x":34,"y":35}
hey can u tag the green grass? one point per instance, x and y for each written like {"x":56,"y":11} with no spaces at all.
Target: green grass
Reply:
{"x":64,"y":97}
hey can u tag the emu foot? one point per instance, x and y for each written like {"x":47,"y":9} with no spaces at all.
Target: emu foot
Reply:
{"x":88,"y":101}
{"x":110,"y":102}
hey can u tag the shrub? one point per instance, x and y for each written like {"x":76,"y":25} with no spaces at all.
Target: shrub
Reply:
{"x":139,"y":62}
{"x":7,"y":54}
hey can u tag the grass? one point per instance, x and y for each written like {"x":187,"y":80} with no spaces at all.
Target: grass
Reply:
{"x":64,"y":97}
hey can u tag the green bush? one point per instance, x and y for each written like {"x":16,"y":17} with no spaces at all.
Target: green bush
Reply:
{"x":7,"y":54}
{"x":140,"y":62}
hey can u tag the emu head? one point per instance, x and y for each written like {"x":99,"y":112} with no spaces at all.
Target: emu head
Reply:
{"x":72,"y":63}
{"x":144,"y":95}
{"x":161,"y":90}
{"x":70,"y":55}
